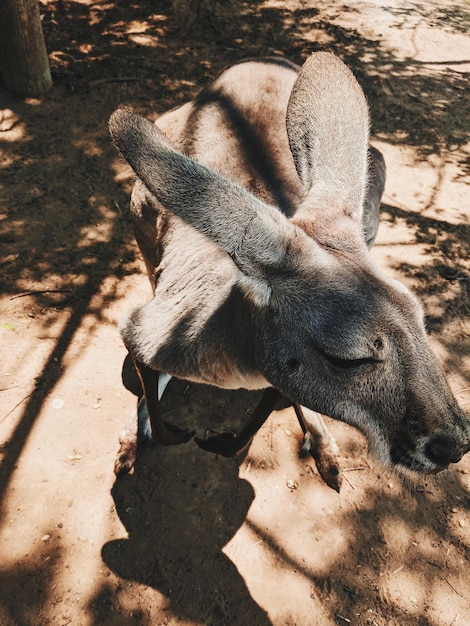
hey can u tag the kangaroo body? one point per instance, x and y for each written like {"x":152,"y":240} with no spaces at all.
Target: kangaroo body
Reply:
{"x":254,"y":210}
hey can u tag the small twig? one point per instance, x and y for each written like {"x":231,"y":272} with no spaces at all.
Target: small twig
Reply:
{"x":345,"y":619}
{"x":40,"y":292}
{"x":348,"y":481}
{"x":15,"y":407}
{"x":354,"y":469}
{"x":453,"y":588}
{"x":117,"y":79}
{"x":398,"y":569}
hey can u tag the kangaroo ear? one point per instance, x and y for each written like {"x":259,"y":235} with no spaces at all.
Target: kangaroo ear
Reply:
{"x":328,"y":130}
{"x":255,"y":235}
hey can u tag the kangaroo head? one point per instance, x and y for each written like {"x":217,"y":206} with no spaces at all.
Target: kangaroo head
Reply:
{"x":328,"y":329}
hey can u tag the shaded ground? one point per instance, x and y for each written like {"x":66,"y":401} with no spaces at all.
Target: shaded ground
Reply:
{"x":189,"y":539}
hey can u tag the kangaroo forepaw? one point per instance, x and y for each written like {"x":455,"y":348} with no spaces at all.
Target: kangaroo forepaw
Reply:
{"x":329,"y":470}
{"x":130,"y":441}
{"x":224,"y":444}
{"x":125,"y":458}
{"x":325,"y":459}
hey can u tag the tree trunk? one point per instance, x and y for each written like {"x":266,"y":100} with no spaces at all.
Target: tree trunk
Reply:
{"x":23,"y":56}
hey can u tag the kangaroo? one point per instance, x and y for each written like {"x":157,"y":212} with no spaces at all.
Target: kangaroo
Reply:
{"x":254,"y":209}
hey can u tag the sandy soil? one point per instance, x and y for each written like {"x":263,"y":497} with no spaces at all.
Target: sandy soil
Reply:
{"x":188,"y":538}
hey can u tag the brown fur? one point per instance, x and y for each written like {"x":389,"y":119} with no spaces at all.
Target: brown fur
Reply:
{"x":246,"y":296}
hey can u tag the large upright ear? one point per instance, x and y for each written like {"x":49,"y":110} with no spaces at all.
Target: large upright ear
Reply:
{"x":328,"y":130}
{"x":259,"y":238}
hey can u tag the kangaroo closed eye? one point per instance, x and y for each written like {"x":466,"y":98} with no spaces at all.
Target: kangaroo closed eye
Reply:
{"x":347,"y":363}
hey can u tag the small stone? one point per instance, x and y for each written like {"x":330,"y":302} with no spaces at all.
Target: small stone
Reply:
{"x":292,"y":484}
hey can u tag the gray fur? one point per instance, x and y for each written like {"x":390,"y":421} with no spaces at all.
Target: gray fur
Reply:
{"x":256,"y":242}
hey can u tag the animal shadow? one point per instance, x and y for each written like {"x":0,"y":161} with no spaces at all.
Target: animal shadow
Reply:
{"x":181,"y":506}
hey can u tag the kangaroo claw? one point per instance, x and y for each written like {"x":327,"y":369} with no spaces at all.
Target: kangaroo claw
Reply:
{"x":329,"y":470}
{"x":325,"y":460}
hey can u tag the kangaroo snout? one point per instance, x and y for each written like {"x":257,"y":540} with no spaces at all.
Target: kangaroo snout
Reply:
{"x":445,"y":448}
{"x":434,"y":452}
{"x":451,"y":441}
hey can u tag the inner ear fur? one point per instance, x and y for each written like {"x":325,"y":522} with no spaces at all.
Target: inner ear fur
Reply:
{"x":328,"y":131}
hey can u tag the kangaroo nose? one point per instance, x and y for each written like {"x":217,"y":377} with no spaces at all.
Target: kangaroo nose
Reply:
{"x":444,"y":449}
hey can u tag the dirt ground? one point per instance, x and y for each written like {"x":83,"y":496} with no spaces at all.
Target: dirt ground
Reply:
{"x":188,"y":538}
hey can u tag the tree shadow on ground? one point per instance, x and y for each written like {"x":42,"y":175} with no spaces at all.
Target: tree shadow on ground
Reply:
{"x":144,"y":55}
{"x":442,"y":280}
{"x":28,"y":586}
{"x":66,"y":229}
{"x":61,"y":238}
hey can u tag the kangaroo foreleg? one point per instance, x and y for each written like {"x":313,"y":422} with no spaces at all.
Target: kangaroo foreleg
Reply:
{"x":321,"y":445}
{"x":132,"y":435}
